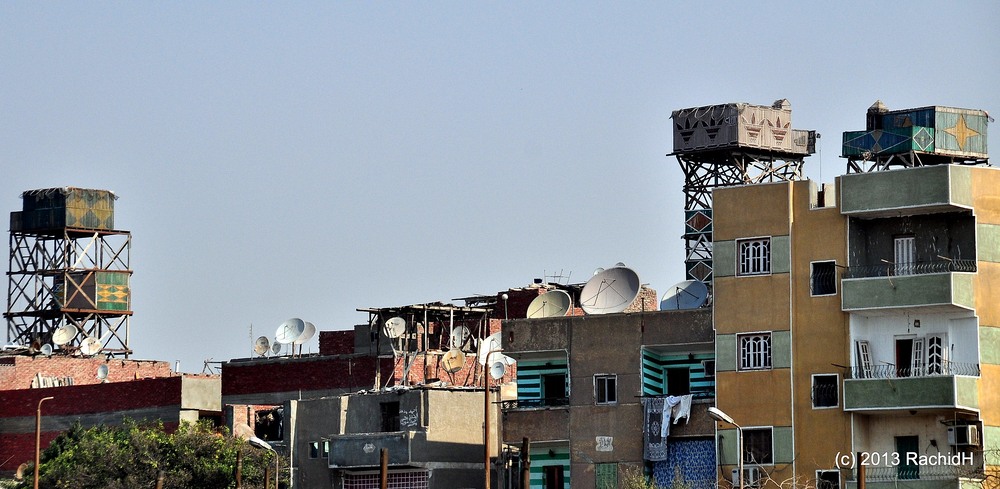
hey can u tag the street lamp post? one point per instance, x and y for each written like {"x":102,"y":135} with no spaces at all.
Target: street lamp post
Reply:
{"x":718,"y":415}
{"x":486,"y":417}
{"x":38,"y":436}
{"x":257,"y":442}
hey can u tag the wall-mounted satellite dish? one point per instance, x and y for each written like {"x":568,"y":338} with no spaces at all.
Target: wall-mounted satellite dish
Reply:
{"x":610,"y":291}
{"x":90,"y":346}
{"x":289,"y":331}
{"x":490,"y":343}
{"x":64,"y":334}
{"x":554,"y":303}
{"x":261,"y":346}
{"x":102,"y":371}
{"x":689,"y":294}
{"x":275,"y":348}
{"x":46,"y":350}
{"x":498,"y":369}
{"x":395,"y":327}
{"x":307,"y":333}
{"x":460,"y":335}
{"x":453,"y":361}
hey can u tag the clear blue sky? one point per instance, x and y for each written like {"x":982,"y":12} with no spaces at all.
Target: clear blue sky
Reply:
{"x":280,"y":159}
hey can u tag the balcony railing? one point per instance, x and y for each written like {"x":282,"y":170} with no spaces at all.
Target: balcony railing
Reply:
{"x":921,"y":472}
{"x":920,"y":268}
{"x":534,"y":403}
{"x":890,"y":371}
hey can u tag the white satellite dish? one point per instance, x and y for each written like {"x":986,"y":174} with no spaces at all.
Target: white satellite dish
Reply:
{"x":275,"y":348}
{"x":453,"y":361}
{"x":689,"y":294}
{"x":554,"y":303}
{"x":395,"y":327}
{"x":610,"y":291}
{"x":598,"y":270}
{"x":289,"y":331}
{"x":460,"y":336}
{"x":46,"y":350}
{"x":307,"y":333}
{"x":64,"y":334}
{"x":261,"y":346}
{"x":90,"y":346}
{"x":490,"y":343}
{"x":498,"y":369}
{"x":102,"y":371}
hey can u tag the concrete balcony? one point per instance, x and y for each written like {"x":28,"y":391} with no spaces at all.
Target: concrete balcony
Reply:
{"x":914,"y":191}
{"x":957,"y":387}
{"x":950,"y":472}
{"x":939,"y":287}
{"x":534,"y":422}
{"x":364,"y":450}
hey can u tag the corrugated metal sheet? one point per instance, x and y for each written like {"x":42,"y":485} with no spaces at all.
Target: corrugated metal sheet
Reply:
{"x":960,"y":132}
{"x":733,"y":125}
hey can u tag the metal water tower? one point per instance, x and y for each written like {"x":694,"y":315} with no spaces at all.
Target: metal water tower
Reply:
{"x":69,"y":273}
{"x":917,"y":137}
{"x":725,"y":145}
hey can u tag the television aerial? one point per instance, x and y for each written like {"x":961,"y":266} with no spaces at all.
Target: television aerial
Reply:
{"x":395,"y":327}
{"x":262,"y":346}
{"x":689,"y":294}
{"x":289,"y":331}
{"x":453,"y":360}
{"x":610,"y":291}
{"x":554,"y":303}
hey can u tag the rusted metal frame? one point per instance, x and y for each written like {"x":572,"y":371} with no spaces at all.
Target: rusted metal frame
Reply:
{"x":78,"y":290}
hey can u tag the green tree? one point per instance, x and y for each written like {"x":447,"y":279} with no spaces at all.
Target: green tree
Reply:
{"x":132,"y":455}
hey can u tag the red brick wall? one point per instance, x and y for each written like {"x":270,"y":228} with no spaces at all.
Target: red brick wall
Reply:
{"x":97,"y":398}
{"x":311,"y":373}
{"x":336,"y":342}
{"x":18,"y":371}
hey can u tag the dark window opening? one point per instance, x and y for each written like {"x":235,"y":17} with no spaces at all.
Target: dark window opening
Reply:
{"x":606,"y":391}
{"x":678,"y":381}
{"x":757,"y":446}
{"x":554,"y":390}
{"x":824,"y":278}
{"x":824,"y":393}
{"x":268,"y":424}
{"x":390,"y":416}
{"x":552,"y":477}
{"x":828,"y":479}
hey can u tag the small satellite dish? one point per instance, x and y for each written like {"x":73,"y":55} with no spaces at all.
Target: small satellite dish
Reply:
{"x":498,"y":369}
{"x":620,"y":265}
{"x":490,"y":343}
{"x":102,"y":371}
{"x":276,"y":348}
{"x":289,"y":330}
{"x":598,"y":270}
{"x":307,"y":333}
{"x":46,"y":350}
{"x":554,"y":303}
{"x":395,"y":327}
{"x":90,"y":346}
{"x":689,"y":294}
{"x":261,"y":346}
{"x":453,"y":361}
{"x":64,"y":334}
{"x":460,"y":336}
{"x":610,"y":291}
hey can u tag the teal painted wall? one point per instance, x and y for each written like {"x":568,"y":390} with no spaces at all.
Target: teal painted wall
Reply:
{"x":547,"y":456}
{"x":653,"y":381}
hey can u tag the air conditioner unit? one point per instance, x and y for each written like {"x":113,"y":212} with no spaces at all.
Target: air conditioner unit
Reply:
{"x":750,"y":474}
{"x":963,"y":435}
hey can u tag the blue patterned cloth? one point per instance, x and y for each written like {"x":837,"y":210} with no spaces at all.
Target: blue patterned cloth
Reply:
{"x":693,"y":460}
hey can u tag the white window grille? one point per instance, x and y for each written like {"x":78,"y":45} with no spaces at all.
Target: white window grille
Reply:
{"x":754,"y":256}
{"x":755,"y":351}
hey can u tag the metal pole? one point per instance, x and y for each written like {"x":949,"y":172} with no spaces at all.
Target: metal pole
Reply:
{"x":862,"y":472}
{"x":739,"y":433}
{"x":276,"y":470}
{"x":486,"y":417}
{"x":526,"y":463}
{"x":239,"y":466}
{"x":38,"y":436}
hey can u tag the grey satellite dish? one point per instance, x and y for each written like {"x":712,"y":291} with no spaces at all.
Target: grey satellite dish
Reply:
{"x":453,"y":361}
{"x":46,"y":350}
{"x":307,"y":333}
{"x":689,"y":294}
{"x":498,"y":369}
{"x":276,"y":348}
{"x":102,"y":371}
{"x":460,"y":336}
{"x":490,"y":343}
{"x":261,"y":346}
{"x":395,"y":327}
{"x":610,"y":291}
{"x":289,"y":331}
{"x":598,"y":270}
{"x":90,"y":346}
{"x":64,"y":334}
{"x":555,"y":303}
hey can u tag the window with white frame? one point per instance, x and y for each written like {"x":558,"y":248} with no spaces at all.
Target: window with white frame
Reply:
{"x":758,"y":445}
{"x":754,"y":256}
{"x":825,"y":391}
{"x":606,"y":389}
{"x":754,"y":351}
{"x":823,"y":278}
